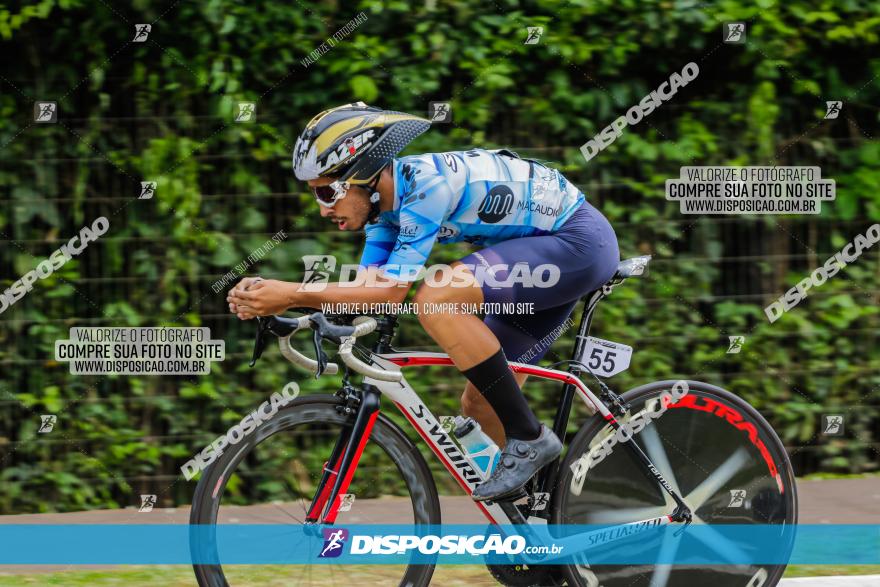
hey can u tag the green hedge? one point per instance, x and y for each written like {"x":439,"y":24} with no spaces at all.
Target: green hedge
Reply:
{"x":162,"y":110}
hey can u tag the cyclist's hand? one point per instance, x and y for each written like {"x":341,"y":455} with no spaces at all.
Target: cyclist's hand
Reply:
{"x":247,"y":282}
{"x":242,"y":285}
{"x":263,"y":297}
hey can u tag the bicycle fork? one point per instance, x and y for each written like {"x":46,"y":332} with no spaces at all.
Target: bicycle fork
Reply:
{"x":340,"y":467}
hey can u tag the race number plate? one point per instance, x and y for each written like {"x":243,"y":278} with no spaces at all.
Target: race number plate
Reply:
{"x":606,"y":358}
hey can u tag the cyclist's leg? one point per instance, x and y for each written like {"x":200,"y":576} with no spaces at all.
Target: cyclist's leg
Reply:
{"x":475,"y":405}
{"x":524,"y":339}
{"x":476,"y":352}
{"x":585,"y":251}
{"x":468,"y":341}
{"x":464,"y":337}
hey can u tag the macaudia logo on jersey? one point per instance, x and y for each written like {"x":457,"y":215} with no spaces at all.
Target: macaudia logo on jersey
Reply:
{"x":539,"y":208}
{"x":497,"y":205}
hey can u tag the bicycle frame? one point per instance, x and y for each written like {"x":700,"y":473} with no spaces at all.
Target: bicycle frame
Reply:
{"x":343,"y":460}
{"x":458,"y":463}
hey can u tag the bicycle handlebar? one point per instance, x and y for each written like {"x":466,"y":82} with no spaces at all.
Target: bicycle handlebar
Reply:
{"x":364,"y":325}
{"x":284,"y":328}
{"x":296,"y":357}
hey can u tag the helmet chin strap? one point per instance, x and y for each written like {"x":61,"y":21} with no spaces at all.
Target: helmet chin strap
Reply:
{"x":374,"y":201}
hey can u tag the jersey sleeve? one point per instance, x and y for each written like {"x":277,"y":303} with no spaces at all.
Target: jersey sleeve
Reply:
{"x":423,"y":208}
{"x":378,"y":245}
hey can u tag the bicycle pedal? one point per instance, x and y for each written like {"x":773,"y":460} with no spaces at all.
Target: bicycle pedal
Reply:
{"x":512,"y":497}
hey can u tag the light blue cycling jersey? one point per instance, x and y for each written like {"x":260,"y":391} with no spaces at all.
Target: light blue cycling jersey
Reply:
{"x":482,"y":197}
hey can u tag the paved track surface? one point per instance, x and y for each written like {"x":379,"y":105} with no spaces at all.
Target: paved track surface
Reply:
{"x":839,"y":501}
{"x":860,"y":581}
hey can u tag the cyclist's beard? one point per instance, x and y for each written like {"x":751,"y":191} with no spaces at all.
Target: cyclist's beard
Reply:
{"x":354,"y":215}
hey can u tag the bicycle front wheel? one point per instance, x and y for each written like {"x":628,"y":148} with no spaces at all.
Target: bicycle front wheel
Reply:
{"x":272,"y":475}
{"x":716,"y":452}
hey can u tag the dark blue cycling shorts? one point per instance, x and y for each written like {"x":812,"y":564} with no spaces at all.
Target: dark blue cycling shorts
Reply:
{"x":584,"y":249}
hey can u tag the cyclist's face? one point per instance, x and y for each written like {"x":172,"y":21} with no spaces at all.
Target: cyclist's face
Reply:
{"x":349,"y":213}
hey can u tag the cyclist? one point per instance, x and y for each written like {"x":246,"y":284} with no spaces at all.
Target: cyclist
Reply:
{"x":519,"y":210}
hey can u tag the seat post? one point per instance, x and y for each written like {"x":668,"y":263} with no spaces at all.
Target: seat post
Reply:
{"x":580,"y":342}
{"x":625,"y":269}
{"x":563,"y":411}
{"x":591,"y":301}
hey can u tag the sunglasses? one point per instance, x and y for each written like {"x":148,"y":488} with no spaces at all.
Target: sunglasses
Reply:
{"x":328,"y":195}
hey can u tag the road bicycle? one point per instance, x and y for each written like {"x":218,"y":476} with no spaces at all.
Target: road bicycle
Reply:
{"x":710,"y":459}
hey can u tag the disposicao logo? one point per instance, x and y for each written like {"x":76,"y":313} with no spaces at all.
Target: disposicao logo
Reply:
{"x":334,"y":540}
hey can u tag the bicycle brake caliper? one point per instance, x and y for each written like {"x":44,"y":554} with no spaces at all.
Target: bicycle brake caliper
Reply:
{"x":351,"y":398}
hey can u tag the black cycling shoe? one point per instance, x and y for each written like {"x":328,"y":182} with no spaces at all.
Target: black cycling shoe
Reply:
{"x":519,"y":461}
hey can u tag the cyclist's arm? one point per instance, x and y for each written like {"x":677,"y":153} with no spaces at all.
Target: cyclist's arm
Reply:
{"x":265,"y":297}
{"x":380,"y":241}
{"x":273,"y":296}
{"x":392,"y":265}
{"x":393,"y":256}
{"x":384,"y":290}
{"x":424,"y":207}
{"x":379,"y":244}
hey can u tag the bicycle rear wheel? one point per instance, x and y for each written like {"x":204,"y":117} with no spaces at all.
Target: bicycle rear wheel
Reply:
{"x":717,"y":453}
{"x":271,"y":477}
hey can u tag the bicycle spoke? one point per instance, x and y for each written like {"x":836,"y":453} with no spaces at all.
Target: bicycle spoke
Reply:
{"x":668,"y":550}
{"x":716,"y":480}
{"x":290,"y":462}
{"x":250,"y":515}
{"x":286,"y":513}
{"x":716,"y":541}
{"x":294,"y":497}
{"x":299,"y":496}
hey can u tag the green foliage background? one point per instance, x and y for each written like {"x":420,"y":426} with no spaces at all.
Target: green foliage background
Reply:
{"x":162,"y":110}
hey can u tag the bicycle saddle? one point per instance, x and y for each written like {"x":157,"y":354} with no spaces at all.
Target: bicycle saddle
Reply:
{"x":632,"y":267}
